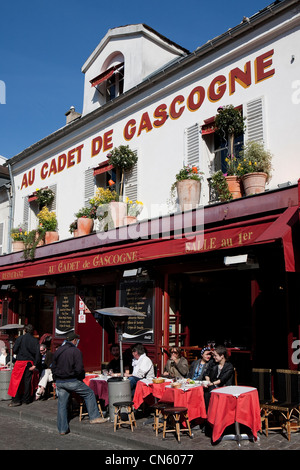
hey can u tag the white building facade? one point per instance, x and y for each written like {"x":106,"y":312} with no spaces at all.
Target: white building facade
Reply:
{"x":164,"y":98}
{"x":144,"y":91}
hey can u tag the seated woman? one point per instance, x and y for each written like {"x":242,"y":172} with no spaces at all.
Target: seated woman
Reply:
{"x":199,"y":368}
{"x":177,"y":366}
{"x":220,"y":374}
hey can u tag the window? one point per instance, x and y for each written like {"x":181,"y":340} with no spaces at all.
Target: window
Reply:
{"x":110,"y":83}
{"x":104,"y":175}
{"x":115,"y":84}
{"x":218,"y":147}
{"x":31,"y":210}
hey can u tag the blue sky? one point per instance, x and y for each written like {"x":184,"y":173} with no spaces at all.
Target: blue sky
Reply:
{"x":43,"y":46}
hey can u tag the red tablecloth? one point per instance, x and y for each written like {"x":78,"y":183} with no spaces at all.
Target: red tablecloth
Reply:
{"x":232,"y":404}
{"x":100,"y":388}
{"x":192,"y":399}
{"x":88,"y":378}
{"x":145,"y":391}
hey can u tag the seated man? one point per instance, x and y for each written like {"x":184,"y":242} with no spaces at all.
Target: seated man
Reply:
{"x":45,"y":371}
{"x":142,"y":366}
{"x":114,"y":364}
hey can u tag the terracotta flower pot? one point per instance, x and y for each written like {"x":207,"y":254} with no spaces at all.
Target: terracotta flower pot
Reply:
{"x":254,"y":183}
{"x":129,"y":219}
{"x":51,"y":237}
{"x":17,"y":246}
{"x":75,"y":233}
{"x":84,"y":226}
{"x":118,"y":211}
{"x":234,"y":186}
{"x":188,"y":193}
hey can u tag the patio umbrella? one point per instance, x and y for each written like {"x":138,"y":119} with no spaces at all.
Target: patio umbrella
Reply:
{"x":9,"y":328}
{"x":119,"y":316}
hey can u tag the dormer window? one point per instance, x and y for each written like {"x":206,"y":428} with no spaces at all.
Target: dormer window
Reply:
{"x":111,"y":82}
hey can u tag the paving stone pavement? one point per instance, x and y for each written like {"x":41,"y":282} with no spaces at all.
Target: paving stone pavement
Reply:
{"x":143,"y":437}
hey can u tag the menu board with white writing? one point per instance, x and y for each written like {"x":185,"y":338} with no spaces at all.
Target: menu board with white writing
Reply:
{"x":65,"y":311}
{"x":138,"y":295}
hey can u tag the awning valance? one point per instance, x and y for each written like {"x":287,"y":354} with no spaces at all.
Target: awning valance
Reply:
{"x":103,"y":167}
{"x":105,"y":75}
{"x":236,"y":235}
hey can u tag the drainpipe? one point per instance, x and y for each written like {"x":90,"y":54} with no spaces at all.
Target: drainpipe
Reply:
{"x":10,"y":188}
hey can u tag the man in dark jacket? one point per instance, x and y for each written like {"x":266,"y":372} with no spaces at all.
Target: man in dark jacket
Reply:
{"x":68,"y":373}
{"x":27,"y":351}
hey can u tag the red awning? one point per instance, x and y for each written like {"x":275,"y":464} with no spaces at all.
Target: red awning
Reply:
{"x":105,"y":75}
{"x":282,"y":229}
{"x":236,"y":235}
{"x":102,"y":168}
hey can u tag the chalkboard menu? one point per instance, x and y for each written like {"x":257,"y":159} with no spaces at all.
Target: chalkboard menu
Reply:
{"x":138,"y":294}
{"x":65,"y":311}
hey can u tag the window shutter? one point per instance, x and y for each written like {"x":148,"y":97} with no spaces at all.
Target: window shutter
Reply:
{"x":131,"y":182}
{"x":192,"y":142}
{"x":89,"y":186}
{"x":1,"y":237}
{"x":26,"y":213}
{"x":255,"y":122}
{"x":52,"y":206}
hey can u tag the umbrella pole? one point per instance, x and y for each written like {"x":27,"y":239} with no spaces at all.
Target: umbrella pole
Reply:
{"x":121,"y":355}
{"x":11,"y":354}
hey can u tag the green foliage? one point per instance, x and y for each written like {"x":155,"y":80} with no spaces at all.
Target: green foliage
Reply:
{"x":229,"y":121}
{"x":220,"y":185}
{"x":44,"y":196}
{"x":254,"y":157}
{"x":47,"y":219}
{"x":88,"y":212}
{"x":189,"y":173}
{"x":18,"y":234}
{"x":103,"y":196}
{"x":32,"y":240}
{"x":122,"y":157}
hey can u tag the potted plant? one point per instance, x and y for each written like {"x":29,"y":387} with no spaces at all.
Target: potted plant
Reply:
{"x":229,"y":123}
{"x":48,"y":222}
{"x":133,"y":210}
{"x":188,"y":185}
{"x":44,"y":197}
{"x":18,"y":235}
{"x":255,"y":167}
{"x":220,"y":185}
{"x":85,"y":220}
{"x":73,"y":228}
{"x":123,"y":159}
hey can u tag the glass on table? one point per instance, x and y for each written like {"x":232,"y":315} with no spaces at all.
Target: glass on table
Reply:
{"x":111,"y":372}
{"x":105,"y":372}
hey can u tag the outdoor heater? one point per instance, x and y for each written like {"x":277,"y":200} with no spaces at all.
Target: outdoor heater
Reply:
{"x":119,"y":317}
{"x":12,"y":330}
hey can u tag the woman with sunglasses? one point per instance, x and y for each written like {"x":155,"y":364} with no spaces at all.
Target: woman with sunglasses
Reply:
{"x":177,"y":366}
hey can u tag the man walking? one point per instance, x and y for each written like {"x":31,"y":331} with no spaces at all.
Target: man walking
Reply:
{"x":68,"y":373}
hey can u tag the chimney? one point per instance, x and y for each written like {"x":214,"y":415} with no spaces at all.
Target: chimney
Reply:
{"x":72,"y":115}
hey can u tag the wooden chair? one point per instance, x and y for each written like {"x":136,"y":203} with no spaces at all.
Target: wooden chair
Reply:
{"x":286,"y":406}
{"x":174,"y":414}
{"x":118,"y":421}
{"x":262,"y":380}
